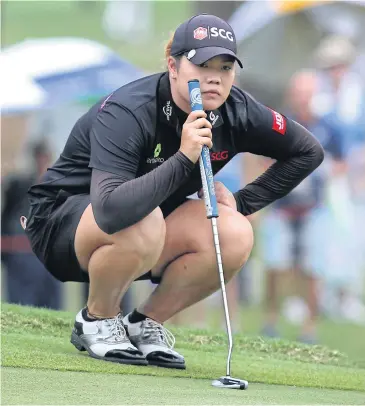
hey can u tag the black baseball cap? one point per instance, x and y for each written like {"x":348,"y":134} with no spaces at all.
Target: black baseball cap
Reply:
{"x":203,"y":37}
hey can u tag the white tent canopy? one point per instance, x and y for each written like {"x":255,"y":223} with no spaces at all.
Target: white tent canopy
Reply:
{"x":19,"y":92}
{"x":70,"y":69}
{"x":64,"y":76}
{"x":50,"y":56}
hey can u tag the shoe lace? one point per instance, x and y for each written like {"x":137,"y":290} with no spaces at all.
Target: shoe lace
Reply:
{"x":157,"y":331}
{"x":116,"y":328}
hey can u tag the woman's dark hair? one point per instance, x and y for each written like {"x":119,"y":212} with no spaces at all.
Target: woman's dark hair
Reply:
{"x":168,"y":51}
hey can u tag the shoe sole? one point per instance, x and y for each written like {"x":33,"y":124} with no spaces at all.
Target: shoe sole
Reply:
{"x":167,"y":365}
{"x":81,"y":346}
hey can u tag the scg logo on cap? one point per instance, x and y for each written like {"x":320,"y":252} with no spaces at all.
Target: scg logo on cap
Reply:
{"x":214,"y":32}
{"x":202,"y":33}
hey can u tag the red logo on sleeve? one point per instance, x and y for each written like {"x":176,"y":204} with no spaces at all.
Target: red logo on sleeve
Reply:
{"x":279,"y":122}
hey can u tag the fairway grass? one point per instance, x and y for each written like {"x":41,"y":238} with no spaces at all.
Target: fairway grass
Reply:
{"x":29,"y":386}
{"x":39,"y":339}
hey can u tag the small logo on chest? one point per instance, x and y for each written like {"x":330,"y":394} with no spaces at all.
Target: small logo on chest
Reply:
{"x":167,"y":109}
{"x":156,"y":156}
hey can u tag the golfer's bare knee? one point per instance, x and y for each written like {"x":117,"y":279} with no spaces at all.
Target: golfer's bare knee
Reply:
{"x":144,"y":239}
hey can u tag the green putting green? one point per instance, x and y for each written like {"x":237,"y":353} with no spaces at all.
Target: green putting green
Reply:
{"x":40,"y":366}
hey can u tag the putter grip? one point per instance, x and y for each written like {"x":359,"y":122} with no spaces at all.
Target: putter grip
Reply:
{"x":204,"y":160}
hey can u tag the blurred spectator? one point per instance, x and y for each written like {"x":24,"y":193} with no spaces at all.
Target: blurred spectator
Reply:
{"x":129,"y":21}
{"x":341,"y":101}
{"x":27,"y":281}
{"x":290,"y":229}
{"x":340,"y":96}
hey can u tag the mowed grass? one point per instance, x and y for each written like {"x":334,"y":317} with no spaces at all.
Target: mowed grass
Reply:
{"x":344,"y":336}
{"x":29,"y":386}
{"x":39,"y":364}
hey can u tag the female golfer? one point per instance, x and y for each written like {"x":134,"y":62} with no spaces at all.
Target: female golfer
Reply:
{"x":114,"y":206}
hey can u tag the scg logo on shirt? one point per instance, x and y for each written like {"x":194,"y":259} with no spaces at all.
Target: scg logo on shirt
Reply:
{"x":219,"y":156}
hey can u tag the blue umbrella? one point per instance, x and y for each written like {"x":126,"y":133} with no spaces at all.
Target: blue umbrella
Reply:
{"x":72,"y":69}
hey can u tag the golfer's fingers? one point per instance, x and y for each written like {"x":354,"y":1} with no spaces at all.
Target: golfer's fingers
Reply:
{"x":194,"y":115}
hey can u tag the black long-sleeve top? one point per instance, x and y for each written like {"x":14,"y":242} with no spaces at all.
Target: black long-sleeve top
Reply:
{"x":125,"y":153}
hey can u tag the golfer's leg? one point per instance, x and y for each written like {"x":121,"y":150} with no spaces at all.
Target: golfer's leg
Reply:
{"x":114,"y":261}
{"x":188,"y":262}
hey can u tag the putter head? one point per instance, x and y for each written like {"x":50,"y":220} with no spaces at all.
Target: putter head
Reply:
{"x":230,"y":383}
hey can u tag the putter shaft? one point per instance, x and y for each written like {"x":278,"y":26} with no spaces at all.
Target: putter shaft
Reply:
{"x":224,"y":294}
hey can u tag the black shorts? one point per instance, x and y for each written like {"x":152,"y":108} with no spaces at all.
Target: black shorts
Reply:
{"x":51,"y":229}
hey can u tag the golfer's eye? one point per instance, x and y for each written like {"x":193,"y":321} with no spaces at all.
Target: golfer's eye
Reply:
{"x":203,"y":65}
{"x":227,"y":67}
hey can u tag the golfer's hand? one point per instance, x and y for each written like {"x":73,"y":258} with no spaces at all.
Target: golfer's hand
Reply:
{"x":223,"y":195}
{"x":196,"y":132}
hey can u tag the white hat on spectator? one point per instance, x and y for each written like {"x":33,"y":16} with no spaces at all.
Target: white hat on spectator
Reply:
{"x":333,"y":51}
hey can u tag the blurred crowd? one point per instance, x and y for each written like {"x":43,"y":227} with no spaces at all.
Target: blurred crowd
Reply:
{"x":316,"y":232}
{"x":310,"y":245}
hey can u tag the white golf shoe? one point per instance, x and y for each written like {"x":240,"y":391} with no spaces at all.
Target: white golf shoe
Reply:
{"x":155,"y":342}
{"x":105,"y":339}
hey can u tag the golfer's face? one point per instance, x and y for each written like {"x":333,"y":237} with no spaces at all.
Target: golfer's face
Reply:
{"x":216,"y":78}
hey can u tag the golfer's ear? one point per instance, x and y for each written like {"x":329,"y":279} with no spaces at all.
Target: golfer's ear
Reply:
{"x":172,"y":67}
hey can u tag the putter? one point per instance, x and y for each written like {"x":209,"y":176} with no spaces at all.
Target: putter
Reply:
{"x":212,"y":213}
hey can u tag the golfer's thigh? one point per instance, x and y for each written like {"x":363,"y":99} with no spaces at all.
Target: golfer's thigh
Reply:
{"x":146,"y":238}
{"x":188,"y":230}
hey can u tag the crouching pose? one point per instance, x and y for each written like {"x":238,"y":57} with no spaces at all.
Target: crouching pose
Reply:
{"x":114,"y":207}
